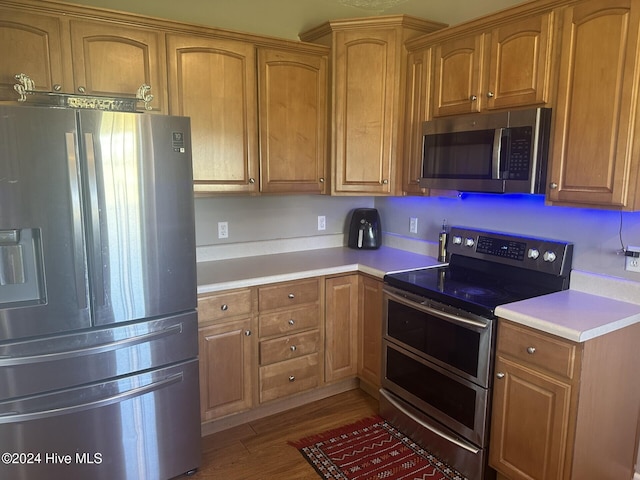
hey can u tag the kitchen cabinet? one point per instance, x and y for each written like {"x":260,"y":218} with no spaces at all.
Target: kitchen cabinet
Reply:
{"x":341,"y":326}
{"x":32,"y":44}
{"x":226,"y":352}
{"x":290,"y":343}
{"x":293,"y":119}
{"x":506,"y":66}
{"x":368,"y":69}
{"x":564,"y":410}
{"x":595,"y":158}
{"x":70,"y":54}
{"x":370,"y":334}
{"x":115,"y":60}
{"x":214,"y":82}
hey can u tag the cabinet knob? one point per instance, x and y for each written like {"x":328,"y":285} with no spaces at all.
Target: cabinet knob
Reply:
{"x":473,"y":98}
{"x":57,"y":87}
{"x":553,"y":185}
{"x":247,"y":333}
{"x":500,"y":375}
{"x":531,"y":350}
{"x":291,"y":295}
{"x":81,"y":89}
{"x":293,"y":348}
{"x":321,"y":180}
{"x":490,"y":95}
{"x":385,"y":181}
{"x":252,"y":181}
{"x":292,"y":378}
{"x":291,"y":321}
{"x":224,"y":307}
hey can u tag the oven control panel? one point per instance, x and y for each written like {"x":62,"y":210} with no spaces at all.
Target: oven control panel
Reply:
{"x":549,"y":256}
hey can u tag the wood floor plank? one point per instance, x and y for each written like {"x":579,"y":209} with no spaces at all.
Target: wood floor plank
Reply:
{"x":259,"y":450}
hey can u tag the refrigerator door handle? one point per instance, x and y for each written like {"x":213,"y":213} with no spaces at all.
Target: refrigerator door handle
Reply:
{"x":96,"y":237}
{"x":78,"y":240}
{"x":12,"y":417}
{"x":95,"y":349}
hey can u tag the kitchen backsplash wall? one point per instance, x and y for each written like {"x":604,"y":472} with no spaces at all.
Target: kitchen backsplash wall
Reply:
{"x":595,"y":233}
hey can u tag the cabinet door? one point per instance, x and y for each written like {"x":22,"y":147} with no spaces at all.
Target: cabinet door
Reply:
{"x":530,"y":421}
{"x":213,"y":81}
{"x":520,"y":63}
{"x":592,"y":161}
{"x":293,"y":121}
{"x":32,"y":44}
{"x":341,"y":317}
{"x":458,"y":72}
{"x":366,"y":77}
{"x":370,"y":351}
{"x":110,"y":59}
{"x":417,"y":111}
{"x":226,"y":369}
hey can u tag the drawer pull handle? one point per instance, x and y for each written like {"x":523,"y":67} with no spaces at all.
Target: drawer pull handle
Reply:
{"x":247,"y":333}
{"x":500,"y":375}
{"x":293,"y":348}
{"x":531,"y":350}
{"x":224,"y":307}
{"x":291,"y":295}
{"x":291,"y":321}
{"x":292,"y":378}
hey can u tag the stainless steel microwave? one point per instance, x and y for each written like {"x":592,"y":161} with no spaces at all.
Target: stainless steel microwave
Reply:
{"x":500,"y":152}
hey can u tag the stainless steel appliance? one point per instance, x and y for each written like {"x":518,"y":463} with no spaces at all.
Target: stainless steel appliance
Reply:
{"x":365,"y":230}
{"x":439,"y":335}
{"x":98,"y":327}
{"x":499,"y":152}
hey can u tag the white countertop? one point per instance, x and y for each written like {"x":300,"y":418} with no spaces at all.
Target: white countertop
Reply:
{"x":572,"y":314}
{"x":220,"y":275}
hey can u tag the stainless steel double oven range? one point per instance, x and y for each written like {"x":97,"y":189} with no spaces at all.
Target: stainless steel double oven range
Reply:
{"x":439,"y":338}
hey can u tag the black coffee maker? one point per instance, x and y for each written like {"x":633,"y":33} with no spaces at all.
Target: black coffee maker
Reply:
{"x":365,"y":232}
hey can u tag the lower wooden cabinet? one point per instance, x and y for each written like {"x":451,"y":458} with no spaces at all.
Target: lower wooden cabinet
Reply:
{"x":564,"y":410}
{"x":370,"y":333}
{"x":341,"y":327}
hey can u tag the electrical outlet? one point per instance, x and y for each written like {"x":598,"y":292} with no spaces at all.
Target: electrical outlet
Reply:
{"x":322,"y":222}
{"x":223,"y":230}
{"x":413,"y":225}
{"x":632,"y":263}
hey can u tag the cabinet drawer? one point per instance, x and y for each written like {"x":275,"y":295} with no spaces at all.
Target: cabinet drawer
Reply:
{"x":288,"y":294}
{"x":289,"y":321}
{"x":291,"y":346}
{"x":289,"y":377}
{"x":224,"y":305}
{"x":537,"y":349}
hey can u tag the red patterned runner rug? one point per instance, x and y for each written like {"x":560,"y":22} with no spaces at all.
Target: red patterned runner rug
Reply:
{"x":371,"y":449}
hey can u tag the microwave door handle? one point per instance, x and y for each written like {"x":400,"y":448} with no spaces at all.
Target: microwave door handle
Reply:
{"x":496,"y":163}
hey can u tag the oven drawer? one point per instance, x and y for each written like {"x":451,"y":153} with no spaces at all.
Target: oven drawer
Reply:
{"x":541,"y":350}
{"x":291,"y":376}
{"x":291,"y":346}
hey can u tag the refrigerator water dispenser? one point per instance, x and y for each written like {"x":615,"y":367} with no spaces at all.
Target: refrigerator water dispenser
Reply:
{"x":20,"y":267}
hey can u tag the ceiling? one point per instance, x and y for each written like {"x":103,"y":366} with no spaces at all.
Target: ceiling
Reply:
{"x":287,"y":18}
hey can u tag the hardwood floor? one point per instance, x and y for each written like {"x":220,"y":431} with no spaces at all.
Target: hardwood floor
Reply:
{"x":259,"y":451}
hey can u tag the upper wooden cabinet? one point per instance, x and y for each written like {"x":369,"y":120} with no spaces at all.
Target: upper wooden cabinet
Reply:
{"x":368,"y":71}
{"x":113,"y":60}
{"x":595,"y":155}
{"x":70,"y":54}
{"x":292,"y":110}
{"x":32,"y":44}
{"x":504,"y":67}
{"x":213,"y":81}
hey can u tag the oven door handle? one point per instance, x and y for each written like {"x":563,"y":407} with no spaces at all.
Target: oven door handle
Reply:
{"x":437,"y":431}
{"x":438,"y":313}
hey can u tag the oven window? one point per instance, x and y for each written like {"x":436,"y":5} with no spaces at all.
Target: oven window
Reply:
{"x":438,"y":390}
{"x":452,"y":344}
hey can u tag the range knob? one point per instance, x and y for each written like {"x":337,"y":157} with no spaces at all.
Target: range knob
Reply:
{"x":457,"y":240}
{"x":469,"y":242}
{"x":549,"y":256}
{"x":533,"y":253}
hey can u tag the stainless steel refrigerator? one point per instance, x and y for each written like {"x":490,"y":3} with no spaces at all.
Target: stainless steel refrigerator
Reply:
{"x":98,"y":327}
